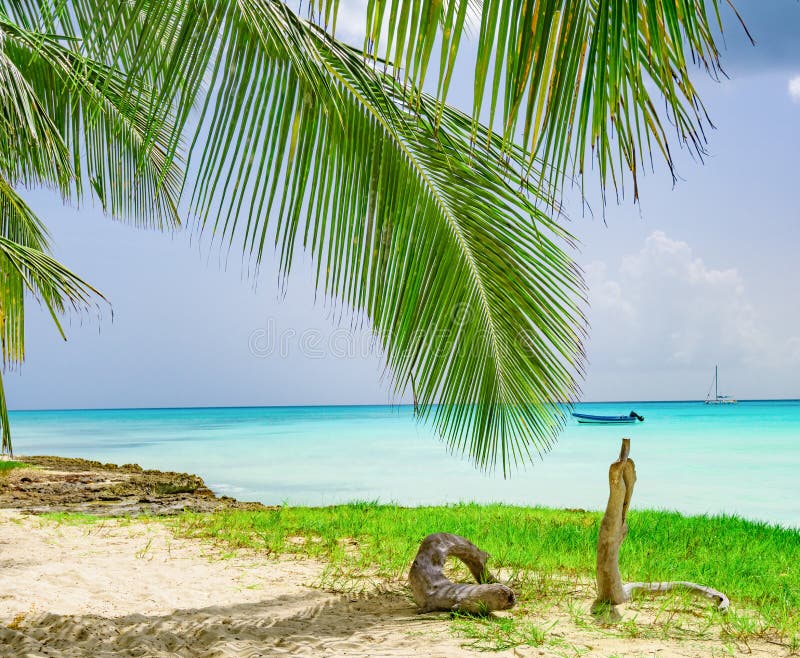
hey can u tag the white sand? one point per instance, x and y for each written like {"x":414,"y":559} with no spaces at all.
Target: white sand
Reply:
{"x":132,"y":589}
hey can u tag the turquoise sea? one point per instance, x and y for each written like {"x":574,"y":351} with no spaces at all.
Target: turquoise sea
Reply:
{"x":737,"y":459}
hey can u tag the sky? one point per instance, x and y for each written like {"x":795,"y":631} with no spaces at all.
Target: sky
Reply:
{"x":700,"y":273}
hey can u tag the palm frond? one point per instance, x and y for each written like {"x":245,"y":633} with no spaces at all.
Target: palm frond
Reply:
{"x":18,"y":222}
{"x":25,"y":268}
{"x":31,"y":147}
{"x":570,"y":79}
{"x":89,"y":129}
{"x":447,"y":244}
{"x":78,"y":126}
{"x":18,"y":225}
{"x":461,"y":272}
{"x":439,"y":231}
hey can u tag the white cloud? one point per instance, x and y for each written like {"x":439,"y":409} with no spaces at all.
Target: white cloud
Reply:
{"x":351,"y":22}
{"x":663,"y":308}
{"x":794,"y":88}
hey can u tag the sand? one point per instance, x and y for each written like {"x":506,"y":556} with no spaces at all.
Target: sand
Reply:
{"x":130,"y":588}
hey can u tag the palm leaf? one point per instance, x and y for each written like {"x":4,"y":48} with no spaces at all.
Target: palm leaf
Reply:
{"x":25,"y":268}
{"x":446,"y":246}
{"x":602,"y":79}
{"x":78,"y":126}
{"x":88,"y":127}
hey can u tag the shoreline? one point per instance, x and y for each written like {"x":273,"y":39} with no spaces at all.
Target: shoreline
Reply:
{"x":305,"y":457}
{"x":77,"y":485}
{"x":338,"y":406}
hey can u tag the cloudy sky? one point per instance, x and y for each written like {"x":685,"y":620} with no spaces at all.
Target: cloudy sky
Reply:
{"x":701,"y":273}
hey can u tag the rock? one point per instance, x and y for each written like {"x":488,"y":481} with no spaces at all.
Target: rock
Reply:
{"x":61,"y":484}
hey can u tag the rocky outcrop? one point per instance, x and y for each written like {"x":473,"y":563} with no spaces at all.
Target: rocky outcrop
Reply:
{"x":60,"y":484}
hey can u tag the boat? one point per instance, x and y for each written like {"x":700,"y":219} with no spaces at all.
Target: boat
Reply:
{"x":718,"y":397}
{"x":632,"y":417}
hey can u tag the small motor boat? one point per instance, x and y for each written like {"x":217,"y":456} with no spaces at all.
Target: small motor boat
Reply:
{"x":632,"y":417}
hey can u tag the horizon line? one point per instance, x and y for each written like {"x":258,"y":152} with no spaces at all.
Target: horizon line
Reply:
{"x":323,"y":406}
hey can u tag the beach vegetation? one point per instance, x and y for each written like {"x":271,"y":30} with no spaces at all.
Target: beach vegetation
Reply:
{"x":548,"y":557}
{"x":72,"y":518}
{"x":257,"y":127}
{"x":10,"y":464}
{"x":497,"y":633}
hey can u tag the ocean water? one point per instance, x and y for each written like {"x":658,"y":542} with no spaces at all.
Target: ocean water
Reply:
{"x":737,"y":459}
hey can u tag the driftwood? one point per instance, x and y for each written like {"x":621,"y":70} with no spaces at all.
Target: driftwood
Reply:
{"x":432,"y":590}
{"x":613,"y":528}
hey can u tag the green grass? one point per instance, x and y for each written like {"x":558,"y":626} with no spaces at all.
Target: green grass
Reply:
{"x":72,"y":518}
{"x":497,"y":633}
{"x":6,"y":466}
{"x":547,"y":553}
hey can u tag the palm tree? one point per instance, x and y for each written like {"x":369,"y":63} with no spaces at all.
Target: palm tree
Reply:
{"x":81,"y":127}
{"x":259,"y":127}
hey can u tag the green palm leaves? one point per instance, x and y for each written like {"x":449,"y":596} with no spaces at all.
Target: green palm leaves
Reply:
{"x":25,"y":267}
{"x":569,"y":79}
{"x":69,"y":124}
{"x":442,"y":242}
{"x":435,"y":229}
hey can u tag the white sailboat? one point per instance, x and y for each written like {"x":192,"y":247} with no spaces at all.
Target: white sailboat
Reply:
{"x":718,"y":397}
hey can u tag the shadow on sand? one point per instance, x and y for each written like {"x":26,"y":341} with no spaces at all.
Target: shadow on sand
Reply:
{"x":309,"y":623}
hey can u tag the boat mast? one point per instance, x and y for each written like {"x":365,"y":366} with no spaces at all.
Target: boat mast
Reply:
{"x":716,"y":382}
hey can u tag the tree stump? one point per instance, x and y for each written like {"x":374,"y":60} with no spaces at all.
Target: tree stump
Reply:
{"x":432,"y":590}
{"x":613,"y":528}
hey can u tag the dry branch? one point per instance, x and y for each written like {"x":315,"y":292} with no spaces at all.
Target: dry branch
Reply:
{"x":718,"y":597}
{"x":613,"y":528}
{"x":432,"y":590}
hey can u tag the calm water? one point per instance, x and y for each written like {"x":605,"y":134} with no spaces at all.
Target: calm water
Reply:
{"x":742,"y":459}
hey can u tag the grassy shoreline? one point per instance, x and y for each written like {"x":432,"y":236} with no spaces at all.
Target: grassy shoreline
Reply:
{"x":546,"y":554}
{"x":10,"y":464}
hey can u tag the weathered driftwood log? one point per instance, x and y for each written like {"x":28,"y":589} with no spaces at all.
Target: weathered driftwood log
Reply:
{"x":718,"y":597}
{"x":613,"y":528}
{"x":432,"y":590}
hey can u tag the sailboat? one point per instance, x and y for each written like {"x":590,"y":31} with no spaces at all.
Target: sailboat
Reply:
{"x":718,"y":397}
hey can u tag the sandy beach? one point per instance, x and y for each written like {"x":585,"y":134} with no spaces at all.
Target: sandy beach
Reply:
{"x":131,"y":588}
{"x":101,"y":581}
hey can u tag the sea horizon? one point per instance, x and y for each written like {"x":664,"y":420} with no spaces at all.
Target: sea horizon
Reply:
{"x":361,"y":404}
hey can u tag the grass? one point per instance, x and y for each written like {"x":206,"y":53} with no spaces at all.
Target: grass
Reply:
{"x":497,"y":633}
{"x":72,"y":518}
{"x":549,"y":556}
{"x":6,"y":466}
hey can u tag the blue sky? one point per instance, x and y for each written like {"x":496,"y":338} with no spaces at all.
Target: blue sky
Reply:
{"x":702,"y":273}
